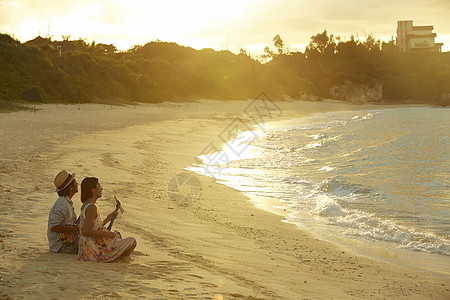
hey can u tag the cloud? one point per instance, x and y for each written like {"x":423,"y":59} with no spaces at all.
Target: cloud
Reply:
{"x":80,"y":17}
{"x":296,"y":21}
{"x":240,"y":22}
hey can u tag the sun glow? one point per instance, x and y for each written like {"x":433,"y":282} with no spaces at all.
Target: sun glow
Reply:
{"x":179,"y":20}
{"x":231,"y":24}
{"x":126,"y":23}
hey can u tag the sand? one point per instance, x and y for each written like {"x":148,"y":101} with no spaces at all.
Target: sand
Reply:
{"x":217,"y":245}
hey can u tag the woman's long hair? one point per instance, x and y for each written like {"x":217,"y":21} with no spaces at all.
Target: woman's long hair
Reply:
{"x":87,"y":185}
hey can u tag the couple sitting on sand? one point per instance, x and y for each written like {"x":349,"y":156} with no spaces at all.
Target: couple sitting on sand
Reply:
{"x":88,"y":237}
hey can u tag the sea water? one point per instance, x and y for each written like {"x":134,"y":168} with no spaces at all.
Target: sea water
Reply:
{"x":378,"y":177}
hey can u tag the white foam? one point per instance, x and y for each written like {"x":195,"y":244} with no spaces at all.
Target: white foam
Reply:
{"x":327,"y":207}
{"x":369,"y":226}
{"x":340,"y":187}
{"x":352,"y":209}
{"x":324,"y":141}
{"x":368,"y":116}
{"x":312,"y":145}
{"x":316,"y":136}
{"x":326,"y":169}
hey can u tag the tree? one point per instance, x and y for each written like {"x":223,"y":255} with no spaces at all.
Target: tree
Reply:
{"x":372,"y":44}
{"x":81,"y":45}
{"x":321,"y":43}
{"x":347,"y":48}
{"x":135,"y":49}
{"x":391,"y":45}
{"x":268,"y":54}
{"x":278,"y":43}
{"x":106,"y":49}
{"x":244,"y":52}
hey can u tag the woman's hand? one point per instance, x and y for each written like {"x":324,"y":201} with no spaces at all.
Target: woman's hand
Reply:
{"x":114,"y":213}
{"x":110,"y":216}
{"x":109,"y":234}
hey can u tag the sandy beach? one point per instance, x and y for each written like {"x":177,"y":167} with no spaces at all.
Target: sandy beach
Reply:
{"x":218,"y":245}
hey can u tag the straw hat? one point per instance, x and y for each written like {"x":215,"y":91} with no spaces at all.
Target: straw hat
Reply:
{"x":63,"y":179}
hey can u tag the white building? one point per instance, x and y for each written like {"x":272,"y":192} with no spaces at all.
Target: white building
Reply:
{"x":413,"y":38}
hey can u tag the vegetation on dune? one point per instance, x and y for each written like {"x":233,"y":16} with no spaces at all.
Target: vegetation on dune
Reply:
{"x":72,"y":71}
{"x":420,"y":76}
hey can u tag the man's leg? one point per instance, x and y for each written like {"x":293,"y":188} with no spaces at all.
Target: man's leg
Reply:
{"x":69,"y":249}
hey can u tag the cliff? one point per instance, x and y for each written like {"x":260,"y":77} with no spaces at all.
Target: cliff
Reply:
{"x":358,"y":93}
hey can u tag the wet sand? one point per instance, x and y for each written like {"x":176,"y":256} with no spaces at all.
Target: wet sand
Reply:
{"x":216,"y":245}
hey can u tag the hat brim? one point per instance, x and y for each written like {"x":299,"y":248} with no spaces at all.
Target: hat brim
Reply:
{"x":72,"y":177}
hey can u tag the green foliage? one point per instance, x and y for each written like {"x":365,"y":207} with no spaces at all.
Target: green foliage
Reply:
{"x":321,"y":43}
{"x":278,"y":43}
{"x":422,"y":77}
{"x":157,"y":71}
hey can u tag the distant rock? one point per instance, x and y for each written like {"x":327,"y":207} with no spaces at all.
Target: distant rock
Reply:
{"x":306,"y":96}
{"x":358,"y":93}
{"x":444,"y":100}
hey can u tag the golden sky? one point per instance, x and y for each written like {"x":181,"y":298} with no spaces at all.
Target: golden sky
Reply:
{"x":230,"y":24}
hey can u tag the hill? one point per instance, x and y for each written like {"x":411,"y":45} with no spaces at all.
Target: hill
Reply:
{"x":357,"y":71}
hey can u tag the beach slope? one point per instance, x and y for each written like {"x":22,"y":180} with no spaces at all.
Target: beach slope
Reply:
{"x":209,"y":242}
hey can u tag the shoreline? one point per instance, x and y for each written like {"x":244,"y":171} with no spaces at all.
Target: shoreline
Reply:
{"x":373,"y":249}
{"x":221,"y":246}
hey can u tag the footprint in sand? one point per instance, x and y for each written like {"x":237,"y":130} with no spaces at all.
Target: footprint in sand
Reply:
{"x":139,"y":253}
{"x":196,"y":276}
{"x":108,"y":160}
{"x":207,"y":284}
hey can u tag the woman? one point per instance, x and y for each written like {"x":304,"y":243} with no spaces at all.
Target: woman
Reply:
{"x":97,"y":244}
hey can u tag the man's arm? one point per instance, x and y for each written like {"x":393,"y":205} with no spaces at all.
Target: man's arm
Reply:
{"x":65,"y":228}
{"x":58,"y":220}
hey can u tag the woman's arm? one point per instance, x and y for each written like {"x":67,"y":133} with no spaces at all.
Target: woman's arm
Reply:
{"x":88,"y":227}
{"x":109,"y":217}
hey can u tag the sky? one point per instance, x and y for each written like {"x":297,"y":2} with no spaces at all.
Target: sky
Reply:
{"x":221,"y":25}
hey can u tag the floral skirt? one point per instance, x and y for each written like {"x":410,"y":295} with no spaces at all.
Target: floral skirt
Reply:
{"x":93,"y":249}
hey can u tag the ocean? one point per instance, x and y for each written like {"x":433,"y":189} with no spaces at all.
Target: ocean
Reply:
{"x":367,"y":180}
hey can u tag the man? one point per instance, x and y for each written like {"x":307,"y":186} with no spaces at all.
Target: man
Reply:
{"x":62,"y":232}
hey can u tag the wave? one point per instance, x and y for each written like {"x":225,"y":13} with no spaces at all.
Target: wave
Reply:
{"x":368,"y":116}
{"x":340,"y":187}
{"x":289,"y":164}
{"x":320,"y":141}
{"x":333,"y":192}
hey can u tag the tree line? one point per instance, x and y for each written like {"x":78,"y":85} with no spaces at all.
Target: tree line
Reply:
{"x":70,"y":71}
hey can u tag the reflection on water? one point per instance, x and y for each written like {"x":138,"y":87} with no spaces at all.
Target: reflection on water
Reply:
{"x":378,"y":175}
